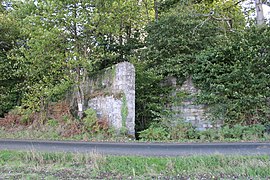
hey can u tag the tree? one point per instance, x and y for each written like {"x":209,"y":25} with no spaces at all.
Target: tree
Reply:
{"x":10,"y":81}
{"x":66,"y":40}
{"x":183,"y":30}
{"x":234,"y":78}
{"x":1,"y":6}
{"x":259,"y":12}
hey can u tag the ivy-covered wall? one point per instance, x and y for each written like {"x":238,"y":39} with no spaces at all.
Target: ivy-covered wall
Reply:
{"x":188,"y":110}
{"x":111,"y":93}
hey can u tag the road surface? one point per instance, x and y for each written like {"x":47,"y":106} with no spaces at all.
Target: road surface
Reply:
{"x":141,"y":149}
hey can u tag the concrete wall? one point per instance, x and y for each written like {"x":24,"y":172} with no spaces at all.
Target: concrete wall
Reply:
{"x":111,"y":93}
{"x":188,"y":110}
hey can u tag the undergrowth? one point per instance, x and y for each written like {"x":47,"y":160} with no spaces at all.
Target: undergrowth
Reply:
{"x":186,"y":132}
{"x":59,"y":124}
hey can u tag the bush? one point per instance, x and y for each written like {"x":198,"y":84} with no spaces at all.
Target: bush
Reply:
{"x":182,"y":130}
{"x":154,"y":133}
{"x":185,"y":131}
{"x":209,"y":135}
{"x":254,"y":132}
{"x":53,"y":122}
{"x":234,"y":78}
{"x":98,"y":128}
{"x":90,"y":122}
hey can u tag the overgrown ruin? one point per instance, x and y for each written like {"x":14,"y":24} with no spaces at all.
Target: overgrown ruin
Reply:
{"x":188,"y":110}
{"x":111,"y":93}
{"x":183,"y":105}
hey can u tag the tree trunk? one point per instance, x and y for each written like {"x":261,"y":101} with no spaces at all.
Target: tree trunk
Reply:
{"x":80,"y":96}
{"x":259,"y":12}
{"x":156,"y":9}
{"x":79,"y":71}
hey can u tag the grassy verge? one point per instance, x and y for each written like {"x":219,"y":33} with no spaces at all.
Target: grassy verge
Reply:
{"x":52,"y":133}
{"x":21,"y":124}
{"x":28,"y":165}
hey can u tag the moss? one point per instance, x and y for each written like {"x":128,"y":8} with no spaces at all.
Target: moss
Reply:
{"x":124,"y":111}
{"x":104,"y":93}
{"x":103,"y":79}
{"x":113,"y":72}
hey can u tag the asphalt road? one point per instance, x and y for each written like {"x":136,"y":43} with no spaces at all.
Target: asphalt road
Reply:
{"x":141,"y":149}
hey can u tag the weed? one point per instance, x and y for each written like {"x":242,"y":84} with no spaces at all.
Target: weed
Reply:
{"x":182,"y":131}
{"x":42,"y":165}
{"x":53,"y":122}
{"x":123,"y":131}
{"x":90,"y":121}
{"x":65,"y":118}
{"x":154,"y":133}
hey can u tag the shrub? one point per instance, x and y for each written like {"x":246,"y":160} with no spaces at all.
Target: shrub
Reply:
{"x":98,"y":127}
{"x":209,"y":134}
{"x":185,"y":131}
{"x":234,"y":77}
{"x":90,"y":122}
{"x":154,"y":133}
{"x":182,"y":130}
{"x":254,"y":132}
{"x":52,"y":122}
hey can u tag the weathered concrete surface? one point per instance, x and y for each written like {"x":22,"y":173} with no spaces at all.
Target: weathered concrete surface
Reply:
{"x":188,"y":110}
{"x":111,"y":93}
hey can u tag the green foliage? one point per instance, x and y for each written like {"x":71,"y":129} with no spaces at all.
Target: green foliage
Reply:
{"x":124,"y":111}
{"x":56,"y":165}
{"x":229,"y":13}
{"x":53,"y":122}
{"x":182,"y":131}
{"x":62,"y":42}
{"x":45,"y":73}
{"x":166,"y":5}
{"x":98,"y":128}
{"x":90,"y":121}
{"x":154,"y":133}
{"x":172,"y":44}
{"x":10,"y":81}
{"x":2,"y":9}
{"x":150,"y":96}
{"x":252,"y":132}
{"x":174,"y":40}
{"x":9,"y":97}
{"x":123,"y":131}
{"x":169,"y":128}
{"x":25,"y":117}
{"x":231,"y":67}
{"x":48,"y":46}
{"x":235,"y":78}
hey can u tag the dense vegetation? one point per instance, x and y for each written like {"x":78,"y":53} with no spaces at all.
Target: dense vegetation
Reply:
{"x":46,"y":47}
{"x":227,"y":61}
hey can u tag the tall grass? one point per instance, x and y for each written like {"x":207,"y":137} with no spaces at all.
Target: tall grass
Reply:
{"x":21,"y":165}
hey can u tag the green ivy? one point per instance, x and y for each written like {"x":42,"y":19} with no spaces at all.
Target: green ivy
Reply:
{"x":235,"y":77}
{"x":124,"y":111}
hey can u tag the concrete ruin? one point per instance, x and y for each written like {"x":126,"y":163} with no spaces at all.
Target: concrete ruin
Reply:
{"x":187,"y":110}
{"x":111,"y":93}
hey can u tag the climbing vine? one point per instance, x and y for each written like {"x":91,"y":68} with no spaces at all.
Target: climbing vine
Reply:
{"x":124,"y":111}
{"x":235,"y":77}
